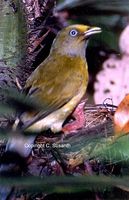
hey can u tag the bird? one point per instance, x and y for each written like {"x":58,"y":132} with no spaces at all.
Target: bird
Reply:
{"x":58,"y":85}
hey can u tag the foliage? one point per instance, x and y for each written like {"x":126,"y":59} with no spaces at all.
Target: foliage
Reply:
{"x":104,"y":149}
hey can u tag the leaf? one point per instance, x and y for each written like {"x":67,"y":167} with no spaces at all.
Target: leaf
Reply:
{"x":116,"y":6}
{"x":5,"y":109}
{"x":20,"y":101}
{"x":66,"y":184}
{"x":121,"y":117}
{"x":109,"y":150}
{"x":112,"y":153}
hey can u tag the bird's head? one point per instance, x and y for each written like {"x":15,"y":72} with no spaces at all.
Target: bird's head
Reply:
{"x":72,"y":40}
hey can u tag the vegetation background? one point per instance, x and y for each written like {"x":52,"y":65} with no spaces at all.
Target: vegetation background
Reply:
{"x":97,"y":164}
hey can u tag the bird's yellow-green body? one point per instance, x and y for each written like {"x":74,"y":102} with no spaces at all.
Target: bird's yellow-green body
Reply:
{"x":60,"y":82}
{"x":60,"y":92}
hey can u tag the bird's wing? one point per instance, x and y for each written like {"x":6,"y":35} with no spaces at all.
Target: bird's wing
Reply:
{"x":54,"y":83}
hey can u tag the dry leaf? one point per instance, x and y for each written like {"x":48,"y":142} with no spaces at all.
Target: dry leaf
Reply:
{"x":121,"y":117}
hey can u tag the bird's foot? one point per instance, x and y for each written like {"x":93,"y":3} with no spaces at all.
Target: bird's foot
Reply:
{"x":79,"y":121}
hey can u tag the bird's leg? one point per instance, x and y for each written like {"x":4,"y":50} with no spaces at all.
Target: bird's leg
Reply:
{"x":79,"y":121}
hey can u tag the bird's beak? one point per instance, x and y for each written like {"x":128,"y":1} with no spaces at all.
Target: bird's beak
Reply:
{"x":92,"y":31}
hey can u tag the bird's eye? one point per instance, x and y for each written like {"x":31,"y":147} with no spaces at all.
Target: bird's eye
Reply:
{"x":73,"y":32}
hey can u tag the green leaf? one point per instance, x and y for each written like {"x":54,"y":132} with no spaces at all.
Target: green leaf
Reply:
{"x":66,"y":184}
{"x":115,"y":152}
{"x":114,"y":6}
